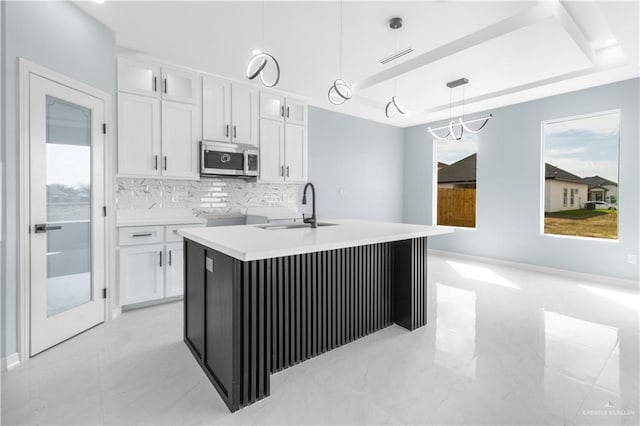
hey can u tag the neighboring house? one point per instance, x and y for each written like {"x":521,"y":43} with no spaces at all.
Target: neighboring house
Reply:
{"x":563,"y":190}
{"x":461,"y":174}
{"x":442,"y":165}
{"x":601,"y":189}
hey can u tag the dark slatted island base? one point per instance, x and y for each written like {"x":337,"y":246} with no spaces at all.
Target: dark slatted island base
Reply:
{"x":258,"y":300}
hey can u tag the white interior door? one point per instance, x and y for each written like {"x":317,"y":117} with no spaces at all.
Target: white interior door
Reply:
{"x":66,"y":173}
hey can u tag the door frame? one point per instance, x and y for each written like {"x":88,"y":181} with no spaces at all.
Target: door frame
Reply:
{"x":25,"y":68}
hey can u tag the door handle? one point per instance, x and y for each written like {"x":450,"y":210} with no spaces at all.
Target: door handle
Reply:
{"x":41,"y":228}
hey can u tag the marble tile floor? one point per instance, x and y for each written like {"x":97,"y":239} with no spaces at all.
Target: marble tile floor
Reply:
{"x":503,"y":346}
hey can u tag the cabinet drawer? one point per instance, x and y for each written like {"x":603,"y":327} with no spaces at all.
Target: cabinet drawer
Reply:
{"x":172,"y":231}
{"x":140,"y":235}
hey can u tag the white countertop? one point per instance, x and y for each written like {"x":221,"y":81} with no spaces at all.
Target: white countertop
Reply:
{"x":250,"y":242}
{"x":147,"y":217}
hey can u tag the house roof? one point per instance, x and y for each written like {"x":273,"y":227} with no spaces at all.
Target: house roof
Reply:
{"x":556,"y":173}
{"x":594,"y":181}
{"x":462,"y":171}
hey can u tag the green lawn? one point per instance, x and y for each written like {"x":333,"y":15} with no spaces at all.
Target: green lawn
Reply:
{"x":580,"y":214}
{"x":583,"y":223}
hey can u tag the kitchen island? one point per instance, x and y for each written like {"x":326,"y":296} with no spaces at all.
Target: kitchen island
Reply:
{"x":261,"y":298}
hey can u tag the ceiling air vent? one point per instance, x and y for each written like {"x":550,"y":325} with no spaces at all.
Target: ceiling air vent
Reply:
{"x":396,"y":55}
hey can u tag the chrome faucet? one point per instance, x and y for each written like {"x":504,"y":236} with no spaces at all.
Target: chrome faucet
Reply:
{"x":311,"y":220}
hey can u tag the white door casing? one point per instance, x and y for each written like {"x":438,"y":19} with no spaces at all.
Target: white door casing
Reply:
{"x":48,"y":329}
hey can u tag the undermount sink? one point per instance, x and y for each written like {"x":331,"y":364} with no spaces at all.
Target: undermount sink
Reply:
{"x":293,"y":226}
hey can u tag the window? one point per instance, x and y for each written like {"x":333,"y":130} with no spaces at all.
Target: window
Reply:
{"x":581,"y":153}
{"x":456,"y":194}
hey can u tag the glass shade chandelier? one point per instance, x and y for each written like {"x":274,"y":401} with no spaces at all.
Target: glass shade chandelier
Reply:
{"x":459,"y":125}
{"x":339,"y":92}
{"x":392,"y":106}
{"x":260,"y":61}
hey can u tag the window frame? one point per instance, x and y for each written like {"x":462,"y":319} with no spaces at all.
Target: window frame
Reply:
{"x":541,"y":180}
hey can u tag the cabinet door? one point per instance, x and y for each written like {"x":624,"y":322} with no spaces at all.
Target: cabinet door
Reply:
{"x":216,"y":110}
{"x":179,"y":85}
{"x":174,"y":271}
{"x":271,"y":151}
{"x":138,"y":135}
{"x":179,"y":140}
{"x":296,"y":112}
{"x":295,"y":148}
{"x":244,"y":114}
{"x":140,"y":78}
{"x":194,"y":303}
{"x":219,"y":309}
{"x":271,"y":106}
{"x":141,"y":273}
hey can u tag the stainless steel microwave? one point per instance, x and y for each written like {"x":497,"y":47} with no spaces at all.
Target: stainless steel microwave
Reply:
{"x":228,"y":159}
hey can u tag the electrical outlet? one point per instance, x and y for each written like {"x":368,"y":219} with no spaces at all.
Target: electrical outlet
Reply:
{"x":632,"y":259}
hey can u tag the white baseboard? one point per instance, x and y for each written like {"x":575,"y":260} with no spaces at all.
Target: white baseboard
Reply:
{"x":10,"y":362}
{"x":600,"y":279}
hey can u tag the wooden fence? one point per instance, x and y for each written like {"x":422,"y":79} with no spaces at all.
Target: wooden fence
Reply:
{"x":457,"y":207}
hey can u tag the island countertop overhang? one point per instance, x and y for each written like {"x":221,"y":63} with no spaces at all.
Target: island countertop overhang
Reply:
{"x":251,"y":242}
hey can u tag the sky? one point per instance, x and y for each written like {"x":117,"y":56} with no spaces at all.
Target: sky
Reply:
{"x":585,"y":146}
{"x":450,"y":151}
{"x":68,"y":164}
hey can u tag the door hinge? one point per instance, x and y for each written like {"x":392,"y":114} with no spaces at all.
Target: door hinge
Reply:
{"x":104,"y":293}
{"x":104,"y":211}
{"x":104,"y":128}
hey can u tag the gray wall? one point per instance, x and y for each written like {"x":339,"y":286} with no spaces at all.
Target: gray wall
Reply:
{"x":59,"y":36}
{"x":356,"y":166}
{"x":509,"y":189}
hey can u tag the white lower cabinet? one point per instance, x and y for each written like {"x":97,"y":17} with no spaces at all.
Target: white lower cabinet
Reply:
{"x":151,"y":263}
{"x":141,"y":274}
{"x":174,"y":271}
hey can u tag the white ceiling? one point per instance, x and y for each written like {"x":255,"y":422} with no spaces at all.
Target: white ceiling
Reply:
{"x":510,"y":51}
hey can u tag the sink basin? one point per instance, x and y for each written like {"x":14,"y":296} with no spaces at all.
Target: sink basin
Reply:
{"x":293,"y":226}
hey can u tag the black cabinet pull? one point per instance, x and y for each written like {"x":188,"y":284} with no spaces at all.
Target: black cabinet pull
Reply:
{"x":155,"y":84}
{"x":282,"y":171}
{"x":282,"y":111}
{"x":170,"y":257}
{"x":287,"y":112}
{"x":287,"y":171}
{"x":165,"y":85}
{"x":165,"y":162}
{"x":148,"y":234}
{"x":235,"y":131}
{"x":227,"y":131}
{"x":156,"y":159}
{"x":160,"y":258}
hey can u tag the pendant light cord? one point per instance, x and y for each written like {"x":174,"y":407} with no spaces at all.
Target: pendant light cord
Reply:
{"x":340,"y":61}
{"x":262,"y":46}
{"x":395,"y":49}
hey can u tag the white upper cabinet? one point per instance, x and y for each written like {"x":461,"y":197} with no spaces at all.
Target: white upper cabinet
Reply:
{"x":216,"y":109}
{"x":229,"y":112}
{"x":150,"y":79}
{"x":272,"y":168}
{"x":179,"y":140}
{"x":179,"y":85}
{"x":295,"y":149}
{"x":140,"y":78}
{"x":244,"y":114}
{"x":138,"y":135}
{"x":295,"y":112}
{"x":272,"y":106}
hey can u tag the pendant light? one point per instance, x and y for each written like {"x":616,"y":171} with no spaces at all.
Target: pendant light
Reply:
{"x":460,"y":123}
{"x":340,"y":92}
{"x":260,"y":60}
{"x":393,"y":106}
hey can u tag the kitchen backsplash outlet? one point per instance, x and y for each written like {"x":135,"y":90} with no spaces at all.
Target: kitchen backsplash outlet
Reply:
{"x":209,"y":196}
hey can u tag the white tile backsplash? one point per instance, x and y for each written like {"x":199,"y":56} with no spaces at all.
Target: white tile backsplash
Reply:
{"x":209,"y":196}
